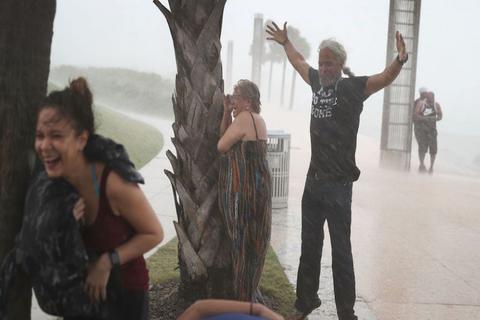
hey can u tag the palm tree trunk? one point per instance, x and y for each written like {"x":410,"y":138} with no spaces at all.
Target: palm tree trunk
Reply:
{"x":292,"y":91}
{"x":25,"y":40}
{"x":282,"y":91}
{"x":204,"y":257}
{"x":270,"y":80}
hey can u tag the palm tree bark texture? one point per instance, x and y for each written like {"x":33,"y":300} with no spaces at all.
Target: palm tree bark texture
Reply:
{"x":204,"y":252}
{"x":26,"y":30}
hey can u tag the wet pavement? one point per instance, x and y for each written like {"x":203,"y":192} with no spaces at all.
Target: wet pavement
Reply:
{"x":415,"y":238}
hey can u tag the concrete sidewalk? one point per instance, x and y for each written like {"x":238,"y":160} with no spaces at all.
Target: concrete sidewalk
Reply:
{"x":415,"y":238}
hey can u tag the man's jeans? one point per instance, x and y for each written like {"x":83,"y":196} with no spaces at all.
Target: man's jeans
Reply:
{"x":329,"y":201}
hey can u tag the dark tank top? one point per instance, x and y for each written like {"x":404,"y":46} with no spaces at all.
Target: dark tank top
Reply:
{"x":108,"y":232}
{"x":430,"y":111}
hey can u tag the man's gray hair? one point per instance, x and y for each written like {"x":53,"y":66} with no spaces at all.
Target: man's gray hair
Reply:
{"x":336,"y":47}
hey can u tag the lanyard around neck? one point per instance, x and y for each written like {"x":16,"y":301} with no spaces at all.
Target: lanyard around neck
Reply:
{"x":94,"y":179}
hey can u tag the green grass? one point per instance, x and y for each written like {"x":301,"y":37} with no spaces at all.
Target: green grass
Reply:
{"x":274,"y":283}
{"x":142,"y":141}
{"x":124,"y":89}
{"x":162,"y":265}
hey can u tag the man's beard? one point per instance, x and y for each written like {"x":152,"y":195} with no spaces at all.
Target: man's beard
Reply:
{"x":329,"y":81}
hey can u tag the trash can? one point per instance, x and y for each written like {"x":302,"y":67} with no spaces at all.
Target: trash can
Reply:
{"x":278,"y":156}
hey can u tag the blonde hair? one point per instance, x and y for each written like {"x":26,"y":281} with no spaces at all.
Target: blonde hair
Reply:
{"x":249,"y":90}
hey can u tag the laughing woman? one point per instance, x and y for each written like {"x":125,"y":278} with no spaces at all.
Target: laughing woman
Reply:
{"x":119,"y":225}
{"x":245,"y":186}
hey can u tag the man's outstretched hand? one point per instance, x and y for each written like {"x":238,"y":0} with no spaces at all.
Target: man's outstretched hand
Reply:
{"x":277,"y":34}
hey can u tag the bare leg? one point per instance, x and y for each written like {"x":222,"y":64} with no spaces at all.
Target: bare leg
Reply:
{"x":421,"y":156}
{"x":432,"y":161}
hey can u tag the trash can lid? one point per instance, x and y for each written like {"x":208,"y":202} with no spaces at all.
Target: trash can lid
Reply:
{"x":278,"y":134}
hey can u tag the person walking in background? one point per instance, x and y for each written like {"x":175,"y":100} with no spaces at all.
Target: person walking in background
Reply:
{"x":426,"y":114}
{"x":244,"y":187}
{"x":423,"y":95}
{"x":334,"y":119}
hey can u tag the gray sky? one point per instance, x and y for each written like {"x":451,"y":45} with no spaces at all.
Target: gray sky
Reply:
{"x":133,"y":34}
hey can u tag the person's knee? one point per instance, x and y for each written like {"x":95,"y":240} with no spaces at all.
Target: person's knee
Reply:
{"x":422,"y":149}
{"x":312,"y":239}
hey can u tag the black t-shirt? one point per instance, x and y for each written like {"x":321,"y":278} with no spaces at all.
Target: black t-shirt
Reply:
{"x":334,"y":121}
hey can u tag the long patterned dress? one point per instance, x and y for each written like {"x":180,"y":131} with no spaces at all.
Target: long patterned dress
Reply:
{"x":246,"y":205}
